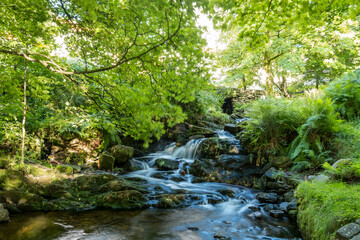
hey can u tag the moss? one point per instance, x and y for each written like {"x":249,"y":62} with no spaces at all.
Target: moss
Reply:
{"x":65,"y":169}
{"x":171,"y":200}
{"x":325,"y":207}
{"x":129,"y":199}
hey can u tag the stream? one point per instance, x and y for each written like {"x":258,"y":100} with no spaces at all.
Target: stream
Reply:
{"x":210,"y":210}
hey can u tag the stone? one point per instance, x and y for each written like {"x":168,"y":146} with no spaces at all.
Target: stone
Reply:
{"x":348,"y":231}
{"x":258,"y":215}
{"x":122,"y":154}
{"x":269,"y":207}
{"x":280,"y":162}
{"x":268,"y":197}
{"x":254,"y":208}
{"x":341,"y":162}
{"x":65,"y":169}
{"x":221,"y":234}
{"x":291,"y":206}
{"x":319,"y":178}
{"x":193,"y":229}
{"x":357,"y":237}
{"x":357,"y":221}
{"x":106,"y":161}
{"x":4,"y":214}
{"x":284,"y":206}
{"x":167,"y":164}
{"x":276,"y":213}
{"x":273,"y":173}
{"x":289,"y":196}
{"x":232,"y":128}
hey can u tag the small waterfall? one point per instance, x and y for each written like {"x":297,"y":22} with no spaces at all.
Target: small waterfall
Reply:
{"x":188,"y":151}
{"x":141,"y":164}
{"x":224,"y":134}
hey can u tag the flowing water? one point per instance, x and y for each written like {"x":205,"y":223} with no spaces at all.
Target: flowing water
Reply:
{"x":210,"y":210}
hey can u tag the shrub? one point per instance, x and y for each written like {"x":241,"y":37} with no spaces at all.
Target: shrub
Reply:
{"x":346,"y":95}
{"x":324,"y":207}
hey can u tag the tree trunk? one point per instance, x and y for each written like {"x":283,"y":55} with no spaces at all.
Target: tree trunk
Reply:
{"x":317,"y":83}
{"x":24,"y":118}
{"x":244,"y":83}
{"x":269,"y":80}
{"x":284,"y":87}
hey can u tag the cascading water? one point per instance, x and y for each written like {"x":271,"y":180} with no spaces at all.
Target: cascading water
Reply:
{"x":208,"y":209}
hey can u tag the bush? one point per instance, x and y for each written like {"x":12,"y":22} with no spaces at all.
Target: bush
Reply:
{"x":324,"y":207}
{"x":346,"y":95}
{"x":300,"y":128}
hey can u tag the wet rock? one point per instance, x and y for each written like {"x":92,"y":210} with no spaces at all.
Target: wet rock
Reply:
{"x":273,"y":174}
{"x":254,"y":208}
{"x":289,"y":196}
{"x":258,"y":215}
{"x":161,"y":175}
{"x":291,"y":206}
{"x":122,"y":154}
{"x":276,"y":213}
{"x":284,"y":206}
{"x":222,"y":234}
{"x":4,"y":214}
{"x":195,"y":130}
{"x":348,"y":231}
{"x":196,"y":137}
{"x":171,"y":200}
{"x":213,"y":147}
{"x":167,"y":164}
{"x":177,"y":178}
{"x":268,"y":197}
{"x":269,"y":207}
{"x":260,"y":183}
{"x":227,"y":192}
{"x":357,"y":237}
{"x":193,"y":229}
{"x":232,"y":128}
{"x":106,"y":161}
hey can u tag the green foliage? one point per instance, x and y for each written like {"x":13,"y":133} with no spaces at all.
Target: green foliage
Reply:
{"x":301,"y":128}
{"x":346,"y":95}
{"x":346,"y":143}
{"x":325,"y":207}
{"x":348,"y":170}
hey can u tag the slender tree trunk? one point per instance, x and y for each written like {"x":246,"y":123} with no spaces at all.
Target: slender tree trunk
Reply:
{"x":317,"y":83}
{"x":284,"y":87}
{"x":244,"y":83}
{"x":269,"y":80}
{"x":24,"y":117}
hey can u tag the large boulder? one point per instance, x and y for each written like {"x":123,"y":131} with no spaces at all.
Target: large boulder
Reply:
{"x":106,"y":161}
{"x":122,"y":154}
{"x":167,"y":164}
{"x":128,"y":199}
{"x":4,"y":214}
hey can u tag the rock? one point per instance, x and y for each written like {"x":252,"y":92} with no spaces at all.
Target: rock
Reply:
{"x":227,"y":192}
{"x":167,"y":164}
{"x":232,"y":128}
{"x":291,"y":206}
{"x":280,"y":162}
{"x":276,"y":213}
{"x":213,"y":147}
{"x":193,"y":229}
{"x":319,"y":178}
{"x":254,"y":208}
{"x":222,"y":234}
{"x":260,"y":183}
{"x":269,"y":207}
{"x":128,"y":199}
{"x":106,"y":161}
{"x":196,"y":137}
{"x":357,"y":221}
{"x":289,"y":196}
{"x":357,"y":237}
{"x":122,"y":154}
{"x":257,"y":215}
{"x":273,"y":173}
{"x":195,"y":130}
{"x":284,"y":206}
{"x":21,"y":200}
{"x":4,"y":214}
{"x":65,"y":169}
{"x":171,"y":200}
{"x":342,"y":162}
{"x":348,"y":231}
{"x":268,"y":197}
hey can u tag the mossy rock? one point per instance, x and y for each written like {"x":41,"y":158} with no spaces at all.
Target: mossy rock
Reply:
{"x":65,"y":169}
{"x":122,"y":154}
{"x":106,"y":161}
{"x":128,"y":199}
{"x":65,"y":204}
{"x":4,"y":163}
{"x":12,"y":180}
{"x":22,"y":200}
{"x":280,"y":162}
{"x":90,"y":183}
{"x":121,"y":185}
{"x":171,"y":200}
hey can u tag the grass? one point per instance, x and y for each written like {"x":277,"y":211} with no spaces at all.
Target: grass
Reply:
{"x":325,"y":207}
